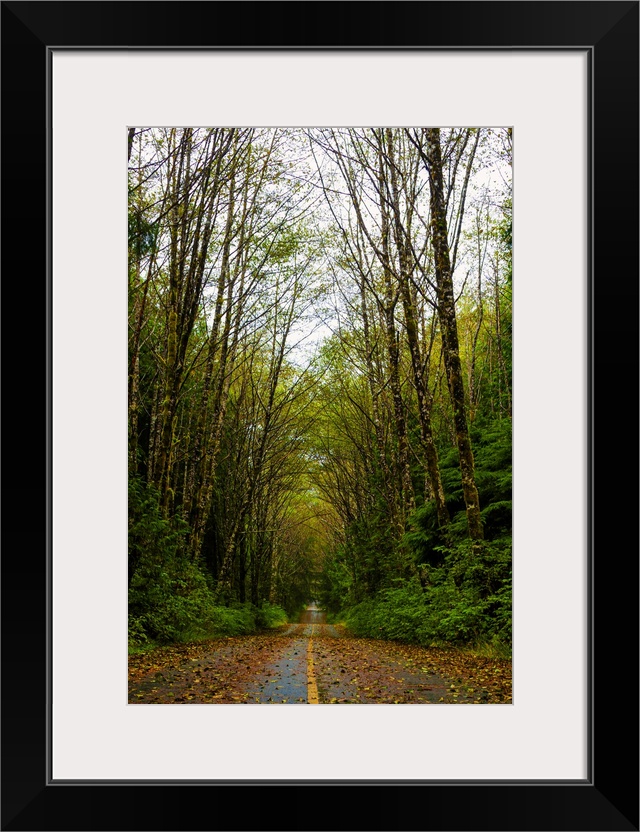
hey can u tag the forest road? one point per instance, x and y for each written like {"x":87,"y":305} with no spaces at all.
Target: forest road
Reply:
{"x":315,"y":663}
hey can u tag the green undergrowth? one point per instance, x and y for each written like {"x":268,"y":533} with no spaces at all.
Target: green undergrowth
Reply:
{"x":474,"y":613}
{"x":433,"y":588}
{"x":151,"y":629}
{"x":171,"y":598}
{"x":415,"y":623}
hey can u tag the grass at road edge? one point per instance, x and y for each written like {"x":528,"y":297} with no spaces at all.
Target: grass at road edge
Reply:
{"x":239,"y":620}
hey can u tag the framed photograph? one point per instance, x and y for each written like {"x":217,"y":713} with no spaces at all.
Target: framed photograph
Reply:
{"x":85,"y":82}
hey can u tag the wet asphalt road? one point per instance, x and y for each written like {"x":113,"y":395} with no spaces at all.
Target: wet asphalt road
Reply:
{"x":312,"y":662}
{"x":313,"y":615}
{"x":316,"y":664}
{"x":293,"y":673}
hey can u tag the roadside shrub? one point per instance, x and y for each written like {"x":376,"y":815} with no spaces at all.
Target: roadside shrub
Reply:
{"x":170,"y":599}
{"x":394,"y":613}
{"x":137,"y":634}
{"x":270,"y":616}
{"x":237,"y":620}
{"x":466,"y":602}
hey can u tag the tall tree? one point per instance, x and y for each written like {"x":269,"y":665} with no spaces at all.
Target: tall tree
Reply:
{"x":432,"y":155}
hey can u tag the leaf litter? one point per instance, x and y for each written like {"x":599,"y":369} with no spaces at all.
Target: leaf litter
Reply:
{"x":349,"y":670}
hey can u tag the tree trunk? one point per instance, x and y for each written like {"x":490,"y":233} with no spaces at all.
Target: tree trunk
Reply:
{"x":447,"y":315}
{"x":393,"y":351}
{"x":417,"y":363}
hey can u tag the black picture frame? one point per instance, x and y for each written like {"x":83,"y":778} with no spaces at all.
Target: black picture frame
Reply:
{"x":608,"y":799}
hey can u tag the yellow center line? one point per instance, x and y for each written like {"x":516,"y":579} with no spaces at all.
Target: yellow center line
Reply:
{"x":312,"y":685}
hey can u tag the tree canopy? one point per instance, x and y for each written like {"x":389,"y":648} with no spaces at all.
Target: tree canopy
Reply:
{"x":320,"y":379}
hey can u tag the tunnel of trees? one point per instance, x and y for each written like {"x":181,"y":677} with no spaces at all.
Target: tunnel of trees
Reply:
{"x":319,"y":379}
